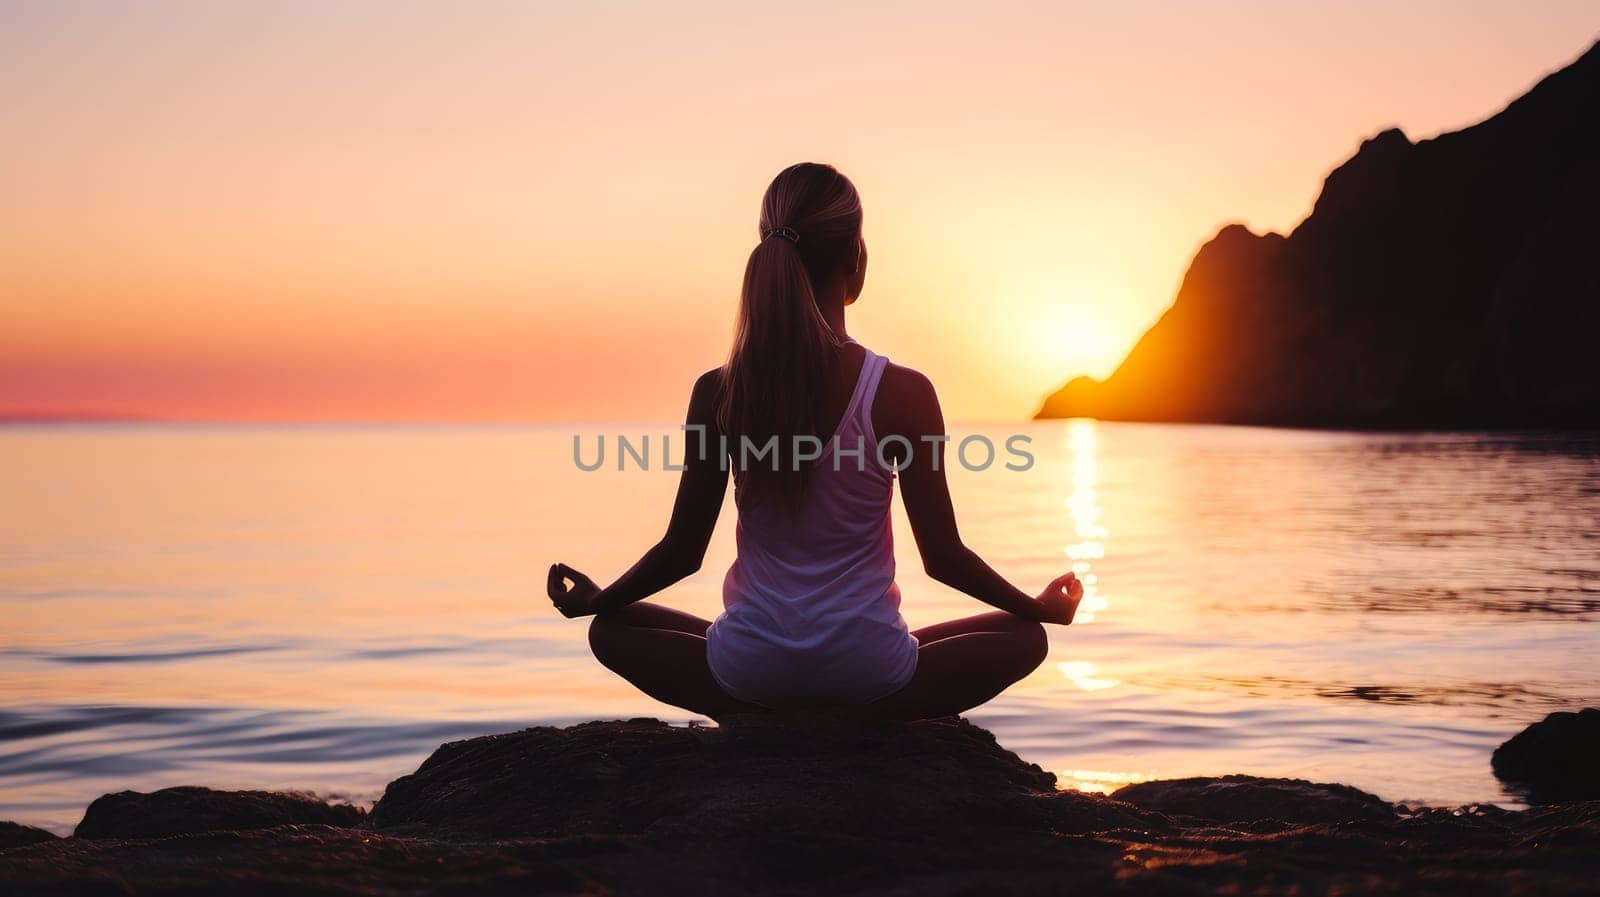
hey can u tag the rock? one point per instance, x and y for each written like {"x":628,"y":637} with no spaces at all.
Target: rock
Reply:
{"x":1252,"y":799}
{"x":1555,"y":759}
{"x":183,"y":811}
{"x":828,"y":805}
{"x":14,"y":834}
{"x":820,"y":773}
{"x":1448,"y":282}
{"x":291,"y":861}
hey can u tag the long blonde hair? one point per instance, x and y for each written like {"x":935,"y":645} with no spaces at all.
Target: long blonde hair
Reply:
{"x":782,"y":365}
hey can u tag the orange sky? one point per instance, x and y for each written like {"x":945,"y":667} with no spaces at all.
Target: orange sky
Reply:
{"x":373,"y":210}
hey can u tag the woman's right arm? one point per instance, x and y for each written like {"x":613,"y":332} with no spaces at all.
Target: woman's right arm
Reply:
{"x":912,"y":410}
{"x":680,"y":551}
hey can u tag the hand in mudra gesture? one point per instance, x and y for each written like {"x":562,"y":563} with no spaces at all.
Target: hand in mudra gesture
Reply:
{"x":575,"y":600}
{"x":1059,"y":600}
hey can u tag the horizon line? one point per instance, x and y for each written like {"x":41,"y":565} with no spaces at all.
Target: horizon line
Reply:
{"x":23,"y":419}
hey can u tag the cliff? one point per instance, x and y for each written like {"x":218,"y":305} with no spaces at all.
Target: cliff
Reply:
{"x":1447,"y":282}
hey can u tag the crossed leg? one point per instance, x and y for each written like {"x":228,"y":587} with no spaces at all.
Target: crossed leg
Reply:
{"x":960,"y":664}
{"x":663,"y":653}
{"x":964,"y":663}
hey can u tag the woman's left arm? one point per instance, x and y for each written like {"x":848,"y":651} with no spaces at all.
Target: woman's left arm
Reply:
{"x":680,"y":552}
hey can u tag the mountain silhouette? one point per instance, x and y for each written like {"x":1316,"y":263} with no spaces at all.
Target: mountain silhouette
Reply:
{"x":1452,"y":282}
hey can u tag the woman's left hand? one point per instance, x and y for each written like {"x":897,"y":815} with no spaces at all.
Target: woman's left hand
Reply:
{"x":576,"y":600}
{"x":1059,"y":601}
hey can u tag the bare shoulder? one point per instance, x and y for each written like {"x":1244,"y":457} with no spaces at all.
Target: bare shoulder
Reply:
{"x":908,"y":386}
{"x":906,"y":402}
{"x":707,"y":392}
{"x":709,"y":383}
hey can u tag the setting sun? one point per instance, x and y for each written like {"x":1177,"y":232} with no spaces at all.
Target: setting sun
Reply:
{"x":1074,"y":335}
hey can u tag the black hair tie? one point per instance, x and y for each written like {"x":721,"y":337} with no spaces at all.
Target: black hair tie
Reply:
{"x":788,"y":233}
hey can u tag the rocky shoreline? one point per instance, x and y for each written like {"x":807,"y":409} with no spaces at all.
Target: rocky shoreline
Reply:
{"x":797,"y":806}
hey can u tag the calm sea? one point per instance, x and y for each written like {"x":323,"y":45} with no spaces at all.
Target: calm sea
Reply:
{"x":319,"y":607}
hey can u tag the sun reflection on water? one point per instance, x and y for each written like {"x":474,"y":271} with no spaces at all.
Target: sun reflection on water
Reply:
{"x":1082,"y":674}
{"x":1097,"y":781}
{"x":1083,"y":443}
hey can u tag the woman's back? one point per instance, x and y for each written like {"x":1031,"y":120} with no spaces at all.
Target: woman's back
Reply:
{"x":812,"y":613}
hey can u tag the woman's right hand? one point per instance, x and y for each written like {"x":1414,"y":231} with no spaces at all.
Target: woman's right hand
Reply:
{"x":1059,"y":600}
{"x":576,"y":600}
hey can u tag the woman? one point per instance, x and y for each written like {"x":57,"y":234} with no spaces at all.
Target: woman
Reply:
{"x":812,"y":614}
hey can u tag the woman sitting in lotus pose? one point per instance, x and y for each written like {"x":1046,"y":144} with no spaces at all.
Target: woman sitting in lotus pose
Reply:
{"x":799,"y":412}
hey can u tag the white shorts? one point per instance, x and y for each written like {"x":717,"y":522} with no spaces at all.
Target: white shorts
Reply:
{"x":858,"y":662}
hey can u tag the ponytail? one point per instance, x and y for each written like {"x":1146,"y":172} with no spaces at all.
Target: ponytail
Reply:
{"x":782,"y":365}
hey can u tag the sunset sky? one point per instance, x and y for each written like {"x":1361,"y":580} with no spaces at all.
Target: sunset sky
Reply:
{"x":524,"y":211}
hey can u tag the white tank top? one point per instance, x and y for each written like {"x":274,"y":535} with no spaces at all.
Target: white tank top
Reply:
{"x":811,"y":610}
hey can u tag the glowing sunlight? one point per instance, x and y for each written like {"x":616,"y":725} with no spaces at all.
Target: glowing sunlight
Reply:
{"x":1083,"y":506}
